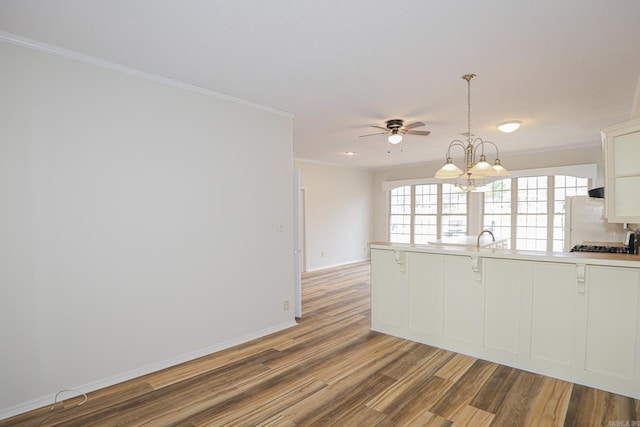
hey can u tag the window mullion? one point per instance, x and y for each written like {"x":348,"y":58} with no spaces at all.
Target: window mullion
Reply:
{"x":551,"y":185}
{"x":514,"y":213}
{"x":439,"y":212}
{"x":412,"y":222}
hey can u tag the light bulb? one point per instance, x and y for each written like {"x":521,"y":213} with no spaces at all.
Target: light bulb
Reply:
{"x":395,"y":138}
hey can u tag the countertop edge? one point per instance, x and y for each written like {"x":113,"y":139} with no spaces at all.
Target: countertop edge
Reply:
{"x":593,"y":258}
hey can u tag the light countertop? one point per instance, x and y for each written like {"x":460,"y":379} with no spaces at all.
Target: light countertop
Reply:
{"x":485,"y":241}
{"x":618,"y":260}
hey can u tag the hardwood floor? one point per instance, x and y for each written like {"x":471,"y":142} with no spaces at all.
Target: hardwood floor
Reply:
{"x":331,"y":370}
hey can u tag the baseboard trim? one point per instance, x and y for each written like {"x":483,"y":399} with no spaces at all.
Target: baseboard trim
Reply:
{"x":154,"y":367}
{"x":339,"y":264}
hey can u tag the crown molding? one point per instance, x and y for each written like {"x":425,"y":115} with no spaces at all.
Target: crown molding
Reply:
{"x":112,"y":66}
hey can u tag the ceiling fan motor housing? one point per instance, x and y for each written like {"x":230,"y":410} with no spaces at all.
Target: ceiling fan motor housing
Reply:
{"x":394,"y":124}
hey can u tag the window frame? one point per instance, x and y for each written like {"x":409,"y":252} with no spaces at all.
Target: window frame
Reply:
{"x":550,"y":213}
{"x":475,"y":205}
{"x":438,"y":215}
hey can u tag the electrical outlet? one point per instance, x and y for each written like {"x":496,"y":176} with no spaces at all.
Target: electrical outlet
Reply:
{"x":285,"y":305}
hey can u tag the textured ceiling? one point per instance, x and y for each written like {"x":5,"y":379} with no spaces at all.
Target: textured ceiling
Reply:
{"x":566,"y":68}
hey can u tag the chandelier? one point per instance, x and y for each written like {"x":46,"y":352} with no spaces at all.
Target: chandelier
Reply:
{"x":473,"y":170}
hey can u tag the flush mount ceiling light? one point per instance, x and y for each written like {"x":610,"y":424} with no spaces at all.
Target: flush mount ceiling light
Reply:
{"x":350,"y":153}
{"x":510,"y":126}
{"x":473,"y":170}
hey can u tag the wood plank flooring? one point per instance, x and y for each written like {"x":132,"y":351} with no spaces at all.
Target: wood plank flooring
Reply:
{"x":331,"y":370}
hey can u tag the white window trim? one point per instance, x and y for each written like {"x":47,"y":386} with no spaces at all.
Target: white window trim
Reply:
{"x":390,"y":185}
{"x":581,"y":171}
{"x":589,"y":170}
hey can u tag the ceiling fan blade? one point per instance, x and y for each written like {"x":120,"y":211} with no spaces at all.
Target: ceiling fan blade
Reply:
{"x":418,"y":132}
{"x":413,"y":125}
{"x":380,"y":127}
{"x":371,"y":134}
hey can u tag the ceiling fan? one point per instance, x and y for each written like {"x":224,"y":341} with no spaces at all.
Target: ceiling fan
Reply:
{"x":396,"y":128}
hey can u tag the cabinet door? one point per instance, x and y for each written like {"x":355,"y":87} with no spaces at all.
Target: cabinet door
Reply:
{"x":425,"y":283}
{"x":553,"y":312}
{"x":622,"y":171}
{"x":460,"y":298}
{"x":388,"y":291}
{"x":502,"y":296}
{"x":612,"y":320}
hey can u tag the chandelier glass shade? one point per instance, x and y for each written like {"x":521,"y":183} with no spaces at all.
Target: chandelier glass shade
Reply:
{"x":473,"y":149}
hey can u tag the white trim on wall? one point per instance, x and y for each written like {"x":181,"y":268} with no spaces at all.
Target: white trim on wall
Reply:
{"x":136,"y":373}
{"x":583,"y":171}
{"x":91,"y":60}
{"x":635,"y":108}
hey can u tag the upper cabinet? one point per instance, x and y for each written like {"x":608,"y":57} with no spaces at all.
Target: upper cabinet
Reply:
{"x":622,"y":171}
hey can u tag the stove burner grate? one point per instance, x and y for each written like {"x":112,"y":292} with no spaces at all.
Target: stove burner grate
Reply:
{"x":597,"y":248}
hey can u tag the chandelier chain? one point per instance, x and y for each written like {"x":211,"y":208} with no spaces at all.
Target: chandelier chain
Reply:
{"x":468,"y":78}
{"x":473,"y":170}
{"x":469,"y":108}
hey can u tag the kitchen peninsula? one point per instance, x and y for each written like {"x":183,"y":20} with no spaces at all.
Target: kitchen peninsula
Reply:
{"x":573,"y":316}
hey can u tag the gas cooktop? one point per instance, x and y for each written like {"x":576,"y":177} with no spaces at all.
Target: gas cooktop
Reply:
{"x":599,"y":248}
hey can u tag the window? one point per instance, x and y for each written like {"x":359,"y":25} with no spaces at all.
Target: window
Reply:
{"x":454,"y":211}
{"x":497,"y":209}
{"x":531,"y":223}
{"x":565,"y":186}
{"x":425,"y":212}
{"x":530,"y":210}
{"x":527,"y":211}
{"x":400,"y":215}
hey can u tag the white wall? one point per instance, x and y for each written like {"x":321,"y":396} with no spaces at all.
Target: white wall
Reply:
{"x":532,"y":160}
{"x":129,"y":213}
{"x":338,"y":213}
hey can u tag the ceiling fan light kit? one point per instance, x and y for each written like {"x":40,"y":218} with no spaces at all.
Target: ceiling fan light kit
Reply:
{"x":473,"y":170}
{"x":395,"y":137}
{"x":396,"y":129}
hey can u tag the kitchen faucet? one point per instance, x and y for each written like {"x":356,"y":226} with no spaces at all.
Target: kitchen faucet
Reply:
{"x":481,"y":233}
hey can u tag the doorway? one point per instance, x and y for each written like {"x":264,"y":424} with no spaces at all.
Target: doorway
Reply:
{"x":299,"y":258}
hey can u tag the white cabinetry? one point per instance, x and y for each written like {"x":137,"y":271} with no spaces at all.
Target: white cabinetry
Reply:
{"x":622,"y":171}
{"x":502,"y":304}
{"x":389,"y":292}
{"x":612,"y":321}
{"x":460,"y":299}
{"x":425,"y":286}
{"x":406,"y":293}
{"x":553,"y":314}
{"x":577,"y":320}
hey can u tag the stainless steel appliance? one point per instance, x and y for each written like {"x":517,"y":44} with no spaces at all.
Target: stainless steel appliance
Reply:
{"x":631,"y":242}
